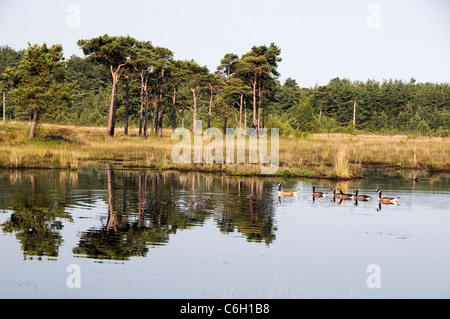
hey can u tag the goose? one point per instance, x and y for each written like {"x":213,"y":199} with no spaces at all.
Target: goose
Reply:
{"x":287,"y":192}
{"x":318,"y":194}
{"x":361,"y":197}
{"x":386,"y":200}
{"x":344,"y":196}
{"x":334,"y":193}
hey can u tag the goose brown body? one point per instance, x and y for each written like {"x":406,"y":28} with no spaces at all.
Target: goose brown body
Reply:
{"x":386,"y":200}
{"x":318,"y":194}
{"x":335,"y":194}
{"x":343,"y":195}
{"x":361,"y":197}
{"x":289,"y":193}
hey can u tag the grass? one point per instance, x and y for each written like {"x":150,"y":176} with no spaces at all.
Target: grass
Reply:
{"x":333,"y":156}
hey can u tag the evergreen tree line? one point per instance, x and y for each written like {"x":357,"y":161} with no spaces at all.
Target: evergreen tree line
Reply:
{"x":124,"y":82}
{"x":389,"y":107}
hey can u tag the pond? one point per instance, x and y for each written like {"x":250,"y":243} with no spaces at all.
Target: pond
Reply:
{"x":108,"y":232}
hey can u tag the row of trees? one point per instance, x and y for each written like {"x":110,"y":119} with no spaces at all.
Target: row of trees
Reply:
{"x":137,"y":74}
{"x":125,"y":81}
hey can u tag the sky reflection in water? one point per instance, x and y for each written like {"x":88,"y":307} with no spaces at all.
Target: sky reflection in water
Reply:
{"x":146,"y":234}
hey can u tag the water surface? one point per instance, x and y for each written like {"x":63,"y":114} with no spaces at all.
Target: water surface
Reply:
{"x":148,"y":234}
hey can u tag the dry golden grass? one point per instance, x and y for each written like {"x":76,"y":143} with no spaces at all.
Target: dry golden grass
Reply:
{"x":340,"y":156}
{"x":396,"y":150}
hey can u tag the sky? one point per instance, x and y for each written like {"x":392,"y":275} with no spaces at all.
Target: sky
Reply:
{"x":319,"y":40}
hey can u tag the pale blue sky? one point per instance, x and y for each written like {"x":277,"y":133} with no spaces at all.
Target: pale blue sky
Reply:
{"x":319,"y":40}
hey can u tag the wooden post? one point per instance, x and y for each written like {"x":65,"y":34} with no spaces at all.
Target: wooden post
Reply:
{"x":354,"y":113}
{"x":4,"y":107}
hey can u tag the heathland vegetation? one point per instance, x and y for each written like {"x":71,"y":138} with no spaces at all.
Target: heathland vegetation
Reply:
{"x":122,"y":100}
{"x":326,"y":155}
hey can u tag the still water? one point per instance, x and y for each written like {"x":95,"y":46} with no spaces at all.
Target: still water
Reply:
{"x":107,"y":232}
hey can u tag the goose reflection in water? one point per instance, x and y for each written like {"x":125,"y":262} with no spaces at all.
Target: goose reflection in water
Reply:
{"x":380,"y":204}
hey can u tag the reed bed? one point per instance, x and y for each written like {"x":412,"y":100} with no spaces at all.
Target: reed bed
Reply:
{"x":336,"y":156}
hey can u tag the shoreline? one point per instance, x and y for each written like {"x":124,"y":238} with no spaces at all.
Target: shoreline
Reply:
{"x":331,"y":156}
{"x":206,"y":169}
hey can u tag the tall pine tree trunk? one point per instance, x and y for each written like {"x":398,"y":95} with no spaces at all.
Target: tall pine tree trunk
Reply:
{"x":240,"y":110}
{"x":33,"y":124}
{"x":259,"y":107}
{"x":141,"y":112}
{"x":112,"y":106}
{"x":182,"y":111}
{"x":155,"y":116}
{"x":194,"y":110}
{"x":127,"y":93}
{"x":255,"y":120}
{"x":160,"y":105}
{"x":245,"y":115}
{"x":145,"y":113}
{"x":225,"y":119}
{"x":160,"y":123}
{"x":174,"y":108}
{"x":210,"y":105}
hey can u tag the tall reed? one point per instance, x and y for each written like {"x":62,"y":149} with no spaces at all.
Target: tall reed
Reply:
{"x":342,"y":168}
{"x":15,"y":159}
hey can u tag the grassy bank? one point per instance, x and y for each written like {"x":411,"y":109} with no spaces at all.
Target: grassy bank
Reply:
{"x":337,"y":156}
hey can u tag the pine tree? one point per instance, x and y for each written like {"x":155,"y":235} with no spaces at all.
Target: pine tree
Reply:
{"x":38,"y":81}
{"x":114,"y":53}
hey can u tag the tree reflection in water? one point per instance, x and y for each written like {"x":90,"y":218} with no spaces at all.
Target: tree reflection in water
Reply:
{"x":36,"y":219}
{"x":144,"y":208}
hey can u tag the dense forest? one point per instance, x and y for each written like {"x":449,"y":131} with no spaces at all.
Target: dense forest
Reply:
{"x":122,"y":82}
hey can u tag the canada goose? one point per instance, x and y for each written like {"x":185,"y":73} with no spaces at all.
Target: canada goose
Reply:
{"x":318,"y":194}
{"x":361,"y":197}
{"x":287,"y":192}
{"x":344,"y":196}
{"x":336,"y":194}
{"x":386,"y":200}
